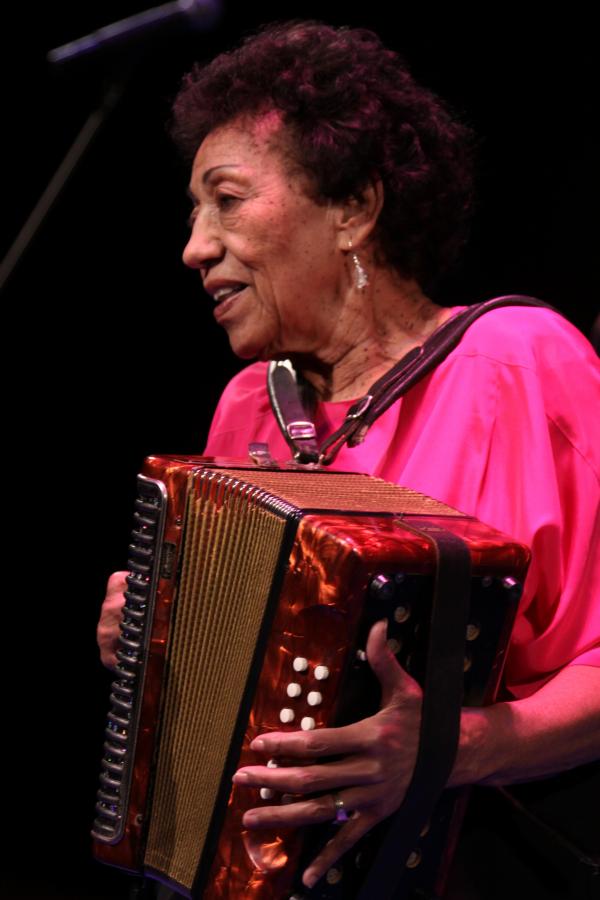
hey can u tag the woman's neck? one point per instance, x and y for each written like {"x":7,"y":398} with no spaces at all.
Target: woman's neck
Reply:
{"x":375,"y":329}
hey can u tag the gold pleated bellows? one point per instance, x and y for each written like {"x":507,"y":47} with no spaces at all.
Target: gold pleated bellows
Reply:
{"x":231,"y":552}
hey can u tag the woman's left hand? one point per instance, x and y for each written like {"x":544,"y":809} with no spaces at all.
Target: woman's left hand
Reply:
{"x":378,"y":753}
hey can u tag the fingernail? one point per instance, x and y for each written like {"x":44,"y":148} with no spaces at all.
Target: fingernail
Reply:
{"x":257,"y":744}
{"x":240,"y":778}
{"x":249,"y":819}
{"x":310,"y":880}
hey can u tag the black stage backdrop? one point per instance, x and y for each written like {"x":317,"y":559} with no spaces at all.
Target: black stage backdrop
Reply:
{"x":113,"y":353}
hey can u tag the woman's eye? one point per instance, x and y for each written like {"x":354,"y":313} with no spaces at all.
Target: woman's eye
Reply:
{"x":226,"y":201}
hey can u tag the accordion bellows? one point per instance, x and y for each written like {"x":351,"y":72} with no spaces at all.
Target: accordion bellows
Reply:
{"x":246,"y":581}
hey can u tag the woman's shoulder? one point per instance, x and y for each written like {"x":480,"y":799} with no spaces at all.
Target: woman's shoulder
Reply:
{"x":535,"y":363}
{"x":527,"y":336}
{"x":243,"y":403}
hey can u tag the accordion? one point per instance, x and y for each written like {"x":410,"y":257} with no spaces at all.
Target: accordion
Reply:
{"x":251,"y":592}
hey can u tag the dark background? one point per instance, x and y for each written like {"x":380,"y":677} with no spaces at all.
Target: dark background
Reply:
{"x":113,"y":353}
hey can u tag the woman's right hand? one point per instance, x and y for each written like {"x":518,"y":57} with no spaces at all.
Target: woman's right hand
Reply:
{"x":108,"y":630}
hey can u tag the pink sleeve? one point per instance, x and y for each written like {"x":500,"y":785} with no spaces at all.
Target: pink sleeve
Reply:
{"x":534,"y":472}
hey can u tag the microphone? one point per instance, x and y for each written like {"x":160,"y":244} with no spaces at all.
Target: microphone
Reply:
{"x":199,"y":14}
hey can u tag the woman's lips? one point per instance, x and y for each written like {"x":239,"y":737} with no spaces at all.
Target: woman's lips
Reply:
{"x":223,"y":306}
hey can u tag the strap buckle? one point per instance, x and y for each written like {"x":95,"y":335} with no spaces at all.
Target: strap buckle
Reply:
{"x":301,"y":430}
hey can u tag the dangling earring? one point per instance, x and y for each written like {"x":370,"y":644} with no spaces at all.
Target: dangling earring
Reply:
{"x":361,"y":278}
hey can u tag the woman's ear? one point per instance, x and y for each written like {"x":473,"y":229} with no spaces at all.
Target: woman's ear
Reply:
{"x":358,"y":215}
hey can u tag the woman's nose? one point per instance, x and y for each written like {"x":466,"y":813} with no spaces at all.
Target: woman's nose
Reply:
{"x":204,"y":245}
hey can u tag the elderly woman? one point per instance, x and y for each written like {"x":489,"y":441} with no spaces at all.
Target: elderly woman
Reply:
{"x":330,"y":192}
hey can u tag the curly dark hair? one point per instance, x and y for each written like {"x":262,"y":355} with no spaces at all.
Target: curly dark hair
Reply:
{"x":353,"y":112}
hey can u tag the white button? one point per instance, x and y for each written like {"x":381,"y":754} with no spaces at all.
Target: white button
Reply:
{"x":286,"y":715}
{"x":300,"y":664}
{"x":307,"y":724}
{"x":293,"y":689}
{"x":321,"y":673}
{"x":272,"y":764}
{"x":360,"y":654}
{"x":266,"y":794}
{"x":314,"y":698}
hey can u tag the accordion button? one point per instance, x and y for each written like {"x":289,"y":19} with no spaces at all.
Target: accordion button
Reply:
{"x":382,"y":587}
{"x":266,"y":794}
{"x":307,"y":723}
{"x":286,"y":715}
{"x":314,"y":698}
{"x":272,"y":764}
{"x":473,"y":631}
{"x":300,"y":664}
{"x":321,"y":673}
{"x":394,"y":646}
{"x":514,"y":587}
{"x":413,"y":860}
{"x":401,"y":614}
{"x":333,"y":876}
{"x":293,"y":689}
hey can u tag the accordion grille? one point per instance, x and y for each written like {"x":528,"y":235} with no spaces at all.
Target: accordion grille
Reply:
{"x":232,"y":548}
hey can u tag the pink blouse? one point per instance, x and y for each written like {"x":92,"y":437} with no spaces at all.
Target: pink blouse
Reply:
{"x":505,"y":429}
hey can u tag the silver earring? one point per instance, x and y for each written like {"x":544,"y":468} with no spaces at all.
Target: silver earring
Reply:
{"x":360,"y":273}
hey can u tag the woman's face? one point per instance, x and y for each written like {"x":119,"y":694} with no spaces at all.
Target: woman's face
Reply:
{"x":268,"y":255}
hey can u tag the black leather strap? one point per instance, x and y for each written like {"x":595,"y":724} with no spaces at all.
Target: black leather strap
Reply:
{"x":440,"y":713}
{"x":299,"y":431}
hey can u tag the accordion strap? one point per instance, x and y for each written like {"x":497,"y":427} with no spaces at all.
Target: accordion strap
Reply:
{"x":442,"y":686}
{"x":297,"y":427}
{"x":293,"y":421}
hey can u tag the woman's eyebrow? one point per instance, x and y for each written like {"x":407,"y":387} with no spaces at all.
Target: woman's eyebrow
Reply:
{"x":209,"y":174}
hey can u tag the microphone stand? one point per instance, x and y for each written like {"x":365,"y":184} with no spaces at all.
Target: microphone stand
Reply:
{"x":201,"y":14}
{"x":57,"y":183}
